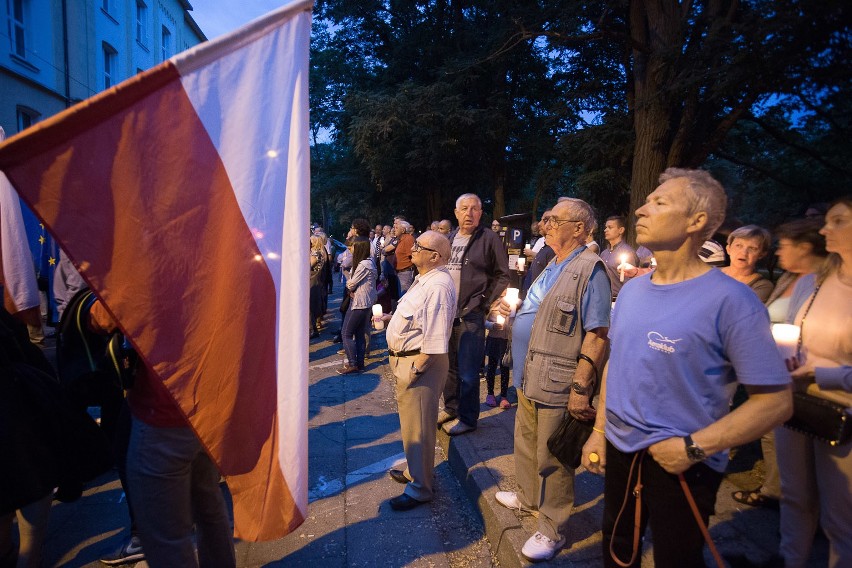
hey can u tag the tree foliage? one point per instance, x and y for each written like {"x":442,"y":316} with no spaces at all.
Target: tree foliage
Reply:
{"x":519,"y":101}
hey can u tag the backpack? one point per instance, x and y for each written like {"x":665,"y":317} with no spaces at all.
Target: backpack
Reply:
{"x":92,"y":367}
{"x":46,"y":440}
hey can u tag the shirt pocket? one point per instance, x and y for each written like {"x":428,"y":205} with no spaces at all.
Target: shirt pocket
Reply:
{"x":563,"y":318}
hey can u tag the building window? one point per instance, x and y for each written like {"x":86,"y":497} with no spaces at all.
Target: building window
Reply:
{"x":26,"y":118}
{"x":18,"y":12}
{"x":167,"y":43}
{"x":141,"y":21}
{"x":110,"y":70}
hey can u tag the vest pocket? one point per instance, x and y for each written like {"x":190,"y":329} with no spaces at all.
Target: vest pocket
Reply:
{"x":564,"y":318}
{"x":553,"y":373}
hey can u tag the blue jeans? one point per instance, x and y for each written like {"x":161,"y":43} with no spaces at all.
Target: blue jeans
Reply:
{"x":175,"y":486}
{"x":466,"y":349}
{"x":355,"y":325}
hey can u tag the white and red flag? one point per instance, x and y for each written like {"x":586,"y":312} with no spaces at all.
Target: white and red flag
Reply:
{"x":182,"y":196}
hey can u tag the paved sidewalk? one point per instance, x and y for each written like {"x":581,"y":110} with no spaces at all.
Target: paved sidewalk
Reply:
{"x":482,"y":460}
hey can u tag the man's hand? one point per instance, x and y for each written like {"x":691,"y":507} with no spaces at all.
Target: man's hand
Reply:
{"x":671,"y":455}
{"x":579,"y":407}
{"x":596,"y":444}
{"x":629,"y":270}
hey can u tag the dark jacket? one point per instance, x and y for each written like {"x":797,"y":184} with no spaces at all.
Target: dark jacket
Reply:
{"x":484,"y":272}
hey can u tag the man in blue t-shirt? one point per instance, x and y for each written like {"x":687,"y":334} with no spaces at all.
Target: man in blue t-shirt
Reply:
{"x":681,"y":339}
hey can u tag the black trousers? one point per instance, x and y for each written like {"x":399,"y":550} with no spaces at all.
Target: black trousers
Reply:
{"x":678,"y":542}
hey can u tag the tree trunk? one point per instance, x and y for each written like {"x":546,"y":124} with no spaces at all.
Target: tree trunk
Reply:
{"x":499,"y":190}
{"x":656,"y":30}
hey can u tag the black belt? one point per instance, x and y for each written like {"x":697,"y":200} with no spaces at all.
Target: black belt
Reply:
{"x":403,"y":353}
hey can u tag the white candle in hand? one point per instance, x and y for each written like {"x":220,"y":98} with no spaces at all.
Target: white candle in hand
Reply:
{"x":623,"y":259}
{"x":521,"y":264}
{"x":377,"y":312}
{"x":786,"y":338}
{"x":500,"y":320}
{"x":511,"y":298}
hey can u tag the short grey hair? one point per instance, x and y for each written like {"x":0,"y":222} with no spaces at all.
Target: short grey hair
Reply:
{"x":406,"y":226}
{"x":752,"y":232}
{"x":464,"y":196}
{"x":706,"y":194}
{"x":581,"y":211}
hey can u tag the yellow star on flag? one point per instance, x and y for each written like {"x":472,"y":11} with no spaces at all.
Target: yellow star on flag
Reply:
{"x":51,"y":261}
{"x":41,"y":240}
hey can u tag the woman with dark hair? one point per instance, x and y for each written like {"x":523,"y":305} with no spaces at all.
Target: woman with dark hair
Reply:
{"x":816,"y":477}
{"x":801,"y":251}
{"x":361,"y":286}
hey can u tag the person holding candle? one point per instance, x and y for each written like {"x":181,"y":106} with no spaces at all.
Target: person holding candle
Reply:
{"x":682,"y":338}
{"x":746,"y":246}
{"x":480,"y":270}
{"x":801,"y":251}
{"x":815,"y":477}
{"x":361,"y":285}
{"x":495,"y":348}
{"x":418,"y":337}
{"x":559,"y":342}
{"x":617,"y":252}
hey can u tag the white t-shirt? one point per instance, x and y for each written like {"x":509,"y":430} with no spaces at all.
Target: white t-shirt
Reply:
{"x":454,"y":265}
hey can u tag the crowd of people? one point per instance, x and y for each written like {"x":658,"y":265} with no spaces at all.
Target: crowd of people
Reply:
{"x":646,"y":345}
{"x":665,"y":348}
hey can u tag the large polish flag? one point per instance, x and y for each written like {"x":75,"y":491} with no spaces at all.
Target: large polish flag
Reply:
{"x":182,"y":197}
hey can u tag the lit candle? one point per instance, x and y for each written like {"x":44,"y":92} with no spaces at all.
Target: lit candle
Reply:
{"x":521,"y":263}
{"x":511,"y":298}
{"x":786,"y":338}
{"x":527,"y":247}
{"x":500,"y":319}
{"x":621,"y":272}
{"x":377,"y":312}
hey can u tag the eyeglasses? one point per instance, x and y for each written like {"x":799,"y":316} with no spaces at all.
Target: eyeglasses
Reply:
{"x":418,"y":247}
{"x":557,"y":222}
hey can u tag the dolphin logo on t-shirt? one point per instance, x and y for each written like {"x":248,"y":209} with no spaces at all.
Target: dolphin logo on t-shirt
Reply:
{"x":660,"y":342}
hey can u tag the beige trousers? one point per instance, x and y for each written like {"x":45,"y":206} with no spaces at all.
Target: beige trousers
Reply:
{"x":417,"y":399}
{"x":545,"y":484}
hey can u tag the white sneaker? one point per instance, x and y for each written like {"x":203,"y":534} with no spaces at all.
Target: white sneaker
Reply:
{"x":457,"y":427}
{"x":538,"y":547}
{"x":509,"y":499}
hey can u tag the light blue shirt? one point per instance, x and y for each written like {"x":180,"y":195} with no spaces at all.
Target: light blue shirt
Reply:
{"x":595,"y":305}
{"x":677,"y":353}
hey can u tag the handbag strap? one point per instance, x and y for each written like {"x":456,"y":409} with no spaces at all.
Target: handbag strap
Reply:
{"x":802,"y":323}
{"x":637,"y":515}
{"x":700,"y":521}
{"x":637,"y":512}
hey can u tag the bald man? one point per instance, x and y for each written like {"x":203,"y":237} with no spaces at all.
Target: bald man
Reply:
{"x":418,"y":337}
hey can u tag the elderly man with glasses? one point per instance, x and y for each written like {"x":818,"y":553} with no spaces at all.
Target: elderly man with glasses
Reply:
{"x":418,"y":337}
{"x":559,"y":341}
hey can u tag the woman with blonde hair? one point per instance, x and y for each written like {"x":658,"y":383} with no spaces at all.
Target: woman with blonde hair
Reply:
{"x":816,"y":477}
{"x":318,"y":258}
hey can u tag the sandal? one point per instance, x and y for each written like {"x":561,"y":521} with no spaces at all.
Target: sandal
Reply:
{"x":755,"y":498}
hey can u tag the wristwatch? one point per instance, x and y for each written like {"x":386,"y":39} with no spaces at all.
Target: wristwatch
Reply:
{"x":580,"y":389}
{"x":693,"y":450}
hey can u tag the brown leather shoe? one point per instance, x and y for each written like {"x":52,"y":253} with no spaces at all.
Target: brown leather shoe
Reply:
{"x":348,"y":370}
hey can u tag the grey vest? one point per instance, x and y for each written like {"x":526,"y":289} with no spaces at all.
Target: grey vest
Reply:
{"x":557,"y":334}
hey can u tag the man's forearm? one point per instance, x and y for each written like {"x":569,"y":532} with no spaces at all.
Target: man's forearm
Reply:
{"x":593,"y":347}
{"x":764,"y":410}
